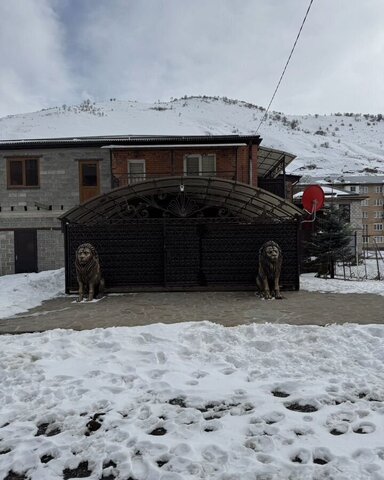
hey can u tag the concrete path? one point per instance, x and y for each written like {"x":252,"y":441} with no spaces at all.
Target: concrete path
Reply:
{"x":227,"y":308}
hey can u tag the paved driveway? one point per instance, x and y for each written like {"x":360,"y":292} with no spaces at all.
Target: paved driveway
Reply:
{"x":227,"y":308}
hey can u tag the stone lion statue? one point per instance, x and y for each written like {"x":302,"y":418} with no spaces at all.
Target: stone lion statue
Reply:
{"x":268,"y":276}
{"x":88,"y":272}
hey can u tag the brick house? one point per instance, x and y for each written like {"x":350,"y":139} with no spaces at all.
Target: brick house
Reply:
{"x":42,"y":180}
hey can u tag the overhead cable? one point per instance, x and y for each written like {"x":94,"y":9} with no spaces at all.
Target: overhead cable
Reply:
{"x":286,"y":65}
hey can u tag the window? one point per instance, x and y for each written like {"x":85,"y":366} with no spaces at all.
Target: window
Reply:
{"x":200,"y":165}
{"x":379,"y":189}
{"x":363,"y":189}
{"x":365,"y":203}
{"x":365,"y":214}
{"x":23,"y":172}
{"x":353,"y":188}
{"x":378,"y":202}
{"x":136,"y":171}
{"x":379,"y":214}
{"x":377,"y":226}
{"x":379,"y":239}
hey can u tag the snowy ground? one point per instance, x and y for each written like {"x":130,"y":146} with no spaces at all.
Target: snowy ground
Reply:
{"x":191,"y":400}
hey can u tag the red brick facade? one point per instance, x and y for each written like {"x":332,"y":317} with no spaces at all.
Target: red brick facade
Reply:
{"x":231,"y":162}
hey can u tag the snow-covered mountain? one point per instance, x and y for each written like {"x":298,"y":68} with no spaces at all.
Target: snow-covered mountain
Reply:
{"x":348,"y":143}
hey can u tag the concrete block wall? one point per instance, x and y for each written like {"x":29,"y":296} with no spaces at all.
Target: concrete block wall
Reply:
{"x":7,"y":253}
{"x":59,"y":177}
{"x":39,"y":208}
{"x":50,"y":249}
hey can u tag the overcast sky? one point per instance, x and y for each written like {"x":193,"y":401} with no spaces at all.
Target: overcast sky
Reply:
{"x":64,"y":51}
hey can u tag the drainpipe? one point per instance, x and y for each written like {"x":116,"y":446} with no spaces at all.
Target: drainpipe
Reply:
{"x":237,"y":156}
{"x":284,"y":184}
{"x":250,"y":162}
{"x":110,"y":167}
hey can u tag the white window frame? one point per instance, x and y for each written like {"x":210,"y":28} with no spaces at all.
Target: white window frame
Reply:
{"x":378,"y":202}
{"x":365,"y":203}
{"x":364,"y":189}
{"x":131,"y":179}
{"x":200,"y":157}
{"x":379,"y":189}
{"x":365,"y":214}
{"x":379,"y":239}
{"x":378,"y":227}
{"x":379,"y":214}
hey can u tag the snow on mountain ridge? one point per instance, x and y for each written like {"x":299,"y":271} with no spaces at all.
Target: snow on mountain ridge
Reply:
{"x":324,"y":144}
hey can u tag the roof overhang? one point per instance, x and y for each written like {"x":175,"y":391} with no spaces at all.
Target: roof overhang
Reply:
{"x":174,"y":145}
{"x":272,"y":162}
{"x":130,"y":141}
{"x":242,"y":200}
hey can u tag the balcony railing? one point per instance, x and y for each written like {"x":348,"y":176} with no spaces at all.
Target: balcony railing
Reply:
{"x":122,"y":179}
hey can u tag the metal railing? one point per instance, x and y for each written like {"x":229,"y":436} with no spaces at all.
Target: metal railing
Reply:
{"x":122,"y":179}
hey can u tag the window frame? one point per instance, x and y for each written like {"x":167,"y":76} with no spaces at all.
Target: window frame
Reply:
{"x":23,"y":160}
{"x":130,"y":175}
{"x":200,"y":157}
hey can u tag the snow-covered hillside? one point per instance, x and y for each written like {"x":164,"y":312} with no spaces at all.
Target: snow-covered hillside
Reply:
{"x":348,"y":143}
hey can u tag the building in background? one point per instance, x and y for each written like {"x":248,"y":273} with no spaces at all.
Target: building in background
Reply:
{"x":369,"y":189}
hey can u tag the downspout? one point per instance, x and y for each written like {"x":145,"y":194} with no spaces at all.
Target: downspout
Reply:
{"x":110,"y":167}
{"x":236,"y":163}
{"x":284,"y":184}
{"x":250,"y":162}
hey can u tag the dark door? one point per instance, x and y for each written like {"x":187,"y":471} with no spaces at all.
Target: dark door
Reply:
{"x":25,"y":251}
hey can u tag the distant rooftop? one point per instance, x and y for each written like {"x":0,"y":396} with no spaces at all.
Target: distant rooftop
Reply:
{"x":342,"y":179}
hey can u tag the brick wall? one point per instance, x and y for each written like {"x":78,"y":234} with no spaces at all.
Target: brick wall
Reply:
{"x":50,"y":249}
{"x":38,"y":208}
{"x":59,"y":178}
{"x":7,"y":253}
{"x":231,"y":162}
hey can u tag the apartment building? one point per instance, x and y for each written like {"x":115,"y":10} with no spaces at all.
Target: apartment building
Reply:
{"x":371,"y":189}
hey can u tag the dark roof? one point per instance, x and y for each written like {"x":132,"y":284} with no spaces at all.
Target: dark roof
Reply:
{"x":129,"y":140}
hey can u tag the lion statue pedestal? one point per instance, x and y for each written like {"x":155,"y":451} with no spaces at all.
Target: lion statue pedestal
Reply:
{"x":88,"y":272}
{"x":268,"y":275}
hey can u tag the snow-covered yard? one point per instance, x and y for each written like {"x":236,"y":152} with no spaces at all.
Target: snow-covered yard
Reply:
{"x":190,"y":400}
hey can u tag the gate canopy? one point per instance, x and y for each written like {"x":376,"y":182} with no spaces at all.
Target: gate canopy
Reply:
{"x":182,"y":197}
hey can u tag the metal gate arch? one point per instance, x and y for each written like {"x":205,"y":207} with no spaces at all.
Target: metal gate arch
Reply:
{"x":172,"y":240}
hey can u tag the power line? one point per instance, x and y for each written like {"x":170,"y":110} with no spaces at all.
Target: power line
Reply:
{"x":286,"y":65}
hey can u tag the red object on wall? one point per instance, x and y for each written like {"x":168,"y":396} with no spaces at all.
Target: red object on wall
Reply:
{"x":313,"y":198}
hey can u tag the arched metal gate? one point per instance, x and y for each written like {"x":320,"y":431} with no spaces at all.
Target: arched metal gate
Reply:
{"x":176,"y":240}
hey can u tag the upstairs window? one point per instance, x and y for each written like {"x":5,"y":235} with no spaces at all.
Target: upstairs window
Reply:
{"x":23,"y":172}
{"x":200,"y":165}
{"x":136,"y":171}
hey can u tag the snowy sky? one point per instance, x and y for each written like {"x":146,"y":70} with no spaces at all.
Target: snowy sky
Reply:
{"x":63,"y":51}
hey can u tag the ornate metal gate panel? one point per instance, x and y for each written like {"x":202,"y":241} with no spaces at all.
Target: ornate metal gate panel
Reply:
{"x":183,"y":253}
{"x":230,"y":252}
{"x":129,"y":254}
